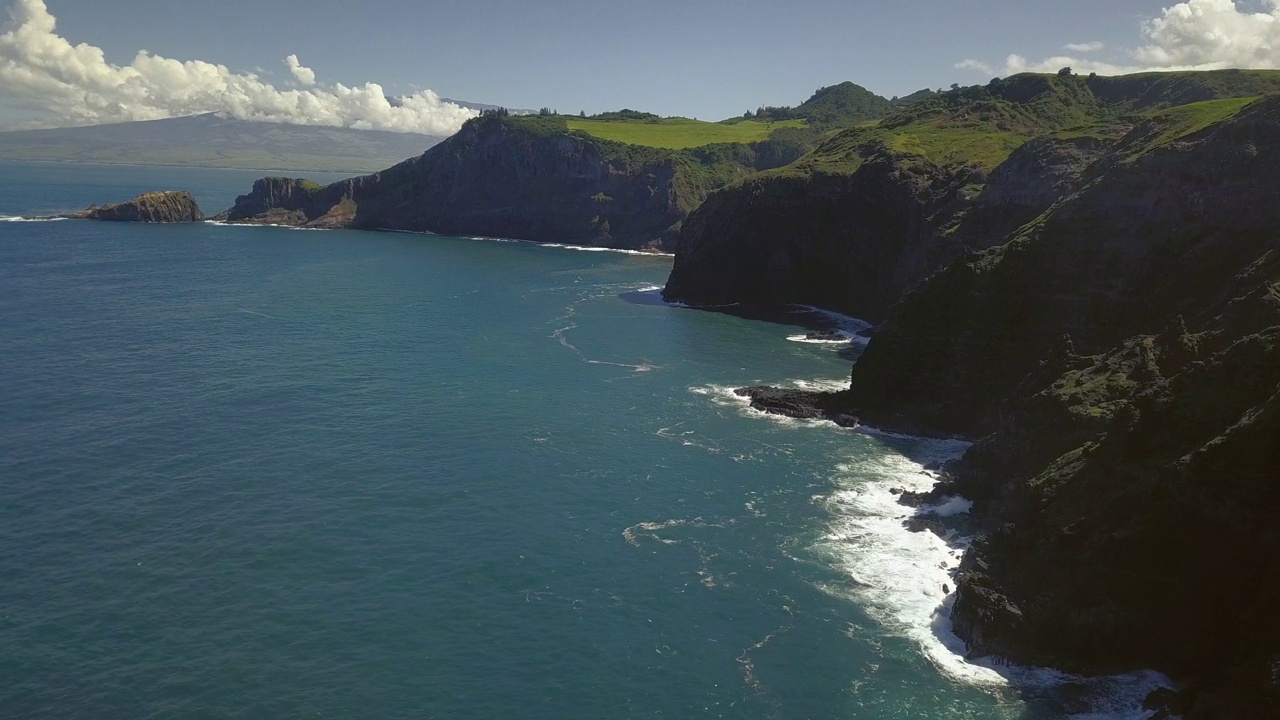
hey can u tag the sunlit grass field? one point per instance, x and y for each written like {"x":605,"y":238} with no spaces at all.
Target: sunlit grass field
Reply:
{"x":678,"y":133}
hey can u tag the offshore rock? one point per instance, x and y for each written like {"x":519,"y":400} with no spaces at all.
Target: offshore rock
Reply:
{"x":167,"y":206}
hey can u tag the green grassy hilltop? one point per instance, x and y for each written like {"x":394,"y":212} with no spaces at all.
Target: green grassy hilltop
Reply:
{"x":679,"y":133}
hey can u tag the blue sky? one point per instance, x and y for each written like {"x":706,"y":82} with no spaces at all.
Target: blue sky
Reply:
{"x":708,"y":59}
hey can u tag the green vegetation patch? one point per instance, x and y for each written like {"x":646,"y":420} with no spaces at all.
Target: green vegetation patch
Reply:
{"x":1186,"y":120}
{"x":678,"y":133}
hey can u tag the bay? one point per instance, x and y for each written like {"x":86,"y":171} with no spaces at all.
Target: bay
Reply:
{"x":258,"y":472}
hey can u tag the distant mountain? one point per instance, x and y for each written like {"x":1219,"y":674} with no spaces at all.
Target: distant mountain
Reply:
{"x":216,"y":141}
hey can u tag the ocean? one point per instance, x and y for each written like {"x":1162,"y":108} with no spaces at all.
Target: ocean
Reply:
{"x":267,"y":473}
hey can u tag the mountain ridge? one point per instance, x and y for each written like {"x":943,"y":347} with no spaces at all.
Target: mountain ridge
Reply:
{"x":214,"y":140}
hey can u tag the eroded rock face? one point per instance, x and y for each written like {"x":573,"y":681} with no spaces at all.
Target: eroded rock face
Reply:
{"x":857,"y":242}
{"x":1145,"y":240}
{"x":168,"y":206}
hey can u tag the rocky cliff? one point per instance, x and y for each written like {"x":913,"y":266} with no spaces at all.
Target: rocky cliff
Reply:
{"x":872,"y":211}
{"x":525,"y":178}
{"x":1128,"y":473}
{"x":855,"y":240}
{"x":169,"y":206}
{"x":1109,"y":332}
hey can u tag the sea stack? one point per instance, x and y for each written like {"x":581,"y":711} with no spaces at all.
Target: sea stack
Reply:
{"x":165,"y":206}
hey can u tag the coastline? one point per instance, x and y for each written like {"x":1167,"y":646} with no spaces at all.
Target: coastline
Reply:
{"x":562,"y":246}
{"x":903,"y":570}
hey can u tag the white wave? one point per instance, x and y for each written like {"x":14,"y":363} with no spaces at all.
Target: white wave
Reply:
{"x":277,"y":226}
{"x":560,"y":336}
{"x":559,"y":246}
{"x":590,"y":248}
{"x":950,"y":507}
{"x":840,"y":320}
{"x":845,"y":338}
{"x":903,"y":579}
{"x":726,"y":396}
{"x":819,"y":385}
{"x":19,"y":218}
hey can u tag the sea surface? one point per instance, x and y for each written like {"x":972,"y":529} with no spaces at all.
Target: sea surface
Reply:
{"x":264,"y":473}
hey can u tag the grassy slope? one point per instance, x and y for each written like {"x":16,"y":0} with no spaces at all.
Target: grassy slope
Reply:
{"x":982,"y":126}
{"x":1185,"y":120}
{"x":678,"y":133}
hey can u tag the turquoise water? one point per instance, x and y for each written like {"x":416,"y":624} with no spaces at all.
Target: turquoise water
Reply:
{"x":261,"y":473}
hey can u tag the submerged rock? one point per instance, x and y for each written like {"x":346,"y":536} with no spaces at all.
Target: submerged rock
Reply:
{"x":165,"y":206}
{"x":827,"y":336}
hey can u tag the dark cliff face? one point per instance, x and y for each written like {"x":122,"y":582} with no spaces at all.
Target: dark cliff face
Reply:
{"x":857,"y":241}
{"x":1148,"y":238}
{"x":169,"y":206}
{"x":498,"y":178}
{"x":1127,"y":474}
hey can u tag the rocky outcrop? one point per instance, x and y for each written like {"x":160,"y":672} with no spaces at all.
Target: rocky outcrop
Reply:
{"x":799,"y":404}
{"x":168,"y":206}
{"x":511,"y":177}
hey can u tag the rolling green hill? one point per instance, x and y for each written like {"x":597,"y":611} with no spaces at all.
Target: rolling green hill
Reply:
{"x":981,"y":126}
{"x":678,"y":133}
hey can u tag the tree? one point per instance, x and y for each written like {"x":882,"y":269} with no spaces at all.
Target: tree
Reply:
{"x":545,"y":111}
{"x":582,"y":113}
{"x":1065,"y":72}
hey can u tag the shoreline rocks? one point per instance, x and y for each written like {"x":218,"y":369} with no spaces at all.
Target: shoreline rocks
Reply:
{"x":799,"y":404}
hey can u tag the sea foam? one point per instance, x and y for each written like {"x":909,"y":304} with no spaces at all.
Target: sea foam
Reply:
{"x":18,"y":218}
{"x":905,"y":580}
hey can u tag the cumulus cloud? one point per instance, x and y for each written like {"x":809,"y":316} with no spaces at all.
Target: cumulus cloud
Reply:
{"x":304,"y":75}
{"x":77,"y":83}
{"x":1191,"y":35}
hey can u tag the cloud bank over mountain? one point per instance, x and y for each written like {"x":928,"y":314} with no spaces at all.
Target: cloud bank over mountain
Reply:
{"x":76,"y":83}
{"x":1191,"y":35}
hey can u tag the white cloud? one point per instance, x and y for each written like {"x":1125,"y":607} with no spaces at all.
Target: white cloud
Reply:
{"x":1191,"y":35}
{"x":971,"y":64}
{"x":76,"y":82}
{"x":1086,"y":47}
{"x":304,"y":75}
{"x":1213,"y":34}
